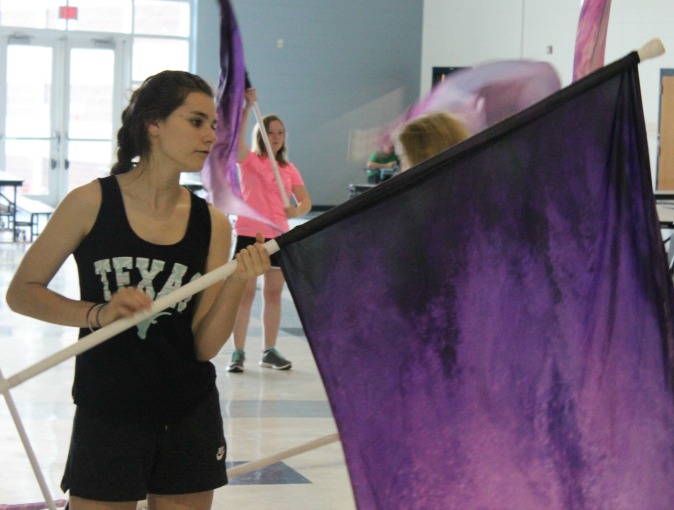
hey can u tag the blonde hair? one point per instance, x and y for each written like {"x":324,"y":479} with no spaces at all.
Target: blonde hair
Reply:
{"x":428,"y":135}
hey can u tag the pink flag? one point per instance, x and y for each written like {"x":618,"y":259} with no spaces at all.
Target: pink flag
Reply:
{"x":591,"y":37}
{"x":486,"y":94}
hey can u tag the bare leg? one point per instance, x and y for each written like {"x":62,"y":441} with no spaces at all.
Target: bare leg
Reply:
{"x":243,"y":315}
{"x":271,"y":311}
{"x":194,"y":501}
{"x":76,"y":503}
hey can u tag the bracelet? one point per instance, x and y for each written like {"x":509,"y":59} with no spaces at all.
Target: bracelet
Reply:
{"x":98,"y":315}
{"x":97,"y":322}
{"x":91,"y":309}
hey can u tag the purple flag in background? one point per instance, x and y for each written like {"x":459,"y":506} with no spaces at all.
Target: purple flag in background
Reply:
{"x":488,"y":93}
{"x":494,"y":326}
{"x":591,"y":37}
{"x":219,"y":174}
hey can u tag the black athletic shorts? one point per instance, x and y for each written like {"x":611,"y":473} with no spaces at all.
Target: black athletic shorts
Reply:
{"x":125,"y":462}
{"x":243,"y":241}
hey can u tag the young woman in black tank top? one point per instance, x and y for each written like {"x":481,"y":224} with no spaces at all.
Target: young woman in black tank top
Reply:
{"x":137,"y":235}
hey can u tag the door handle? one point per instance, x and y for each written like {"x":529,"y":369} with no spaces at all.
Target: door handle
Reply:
{"x":53,"y":164}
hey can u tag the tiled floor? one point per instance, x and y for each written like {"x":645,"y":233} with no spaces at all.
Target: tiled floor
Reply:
{"x":266,"y":412}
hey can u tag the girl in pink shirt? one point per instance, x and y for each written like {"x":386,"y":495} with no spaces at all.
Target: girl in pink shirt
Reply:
{"x":260,"y":190}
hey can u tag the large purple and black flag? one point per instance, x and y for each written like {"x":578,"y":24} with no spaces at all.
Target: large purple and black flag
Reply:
{"x":494,"y":326}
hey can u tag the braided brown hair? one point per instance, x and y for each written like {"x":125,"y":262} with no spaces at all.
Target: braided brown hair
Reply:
{"x":157,"y":97}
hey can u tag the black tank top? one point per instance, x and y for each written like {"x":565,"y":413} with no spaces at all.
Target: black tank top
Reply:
{"x":149,"y":371}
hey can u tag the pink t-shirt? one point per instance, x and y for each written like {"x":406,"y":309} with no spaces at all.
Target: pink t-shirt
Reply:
{"x":261,"y":192}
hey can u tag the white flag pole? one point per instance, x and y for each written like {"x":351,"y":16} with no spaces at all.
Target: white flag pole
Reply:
{"x":278,"y":457}
{"x":105,"y":333}
{"x":270,"y":154}
{"x":254,"y":465}
{"x":27,"y":446}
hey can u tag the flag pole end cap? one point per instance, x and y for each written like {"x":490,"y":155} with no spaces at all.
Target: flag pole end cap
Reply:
{"x":653,"y":48}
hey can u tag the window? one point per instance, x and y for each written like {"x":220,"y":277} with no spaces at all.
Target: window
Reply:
{"x":102,"y":16}
{"x":153,"y":55}
{"x":31,"y":14}
{"x":60,"y":114}
{"x":159,"y":17}
{"x":161,"y":29}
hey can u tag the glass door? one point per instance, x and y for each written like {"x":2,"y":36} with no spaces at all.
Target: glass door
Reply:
{"x":92,"y":86}
{"x":30,"y":142}
{"x":60,"y":96}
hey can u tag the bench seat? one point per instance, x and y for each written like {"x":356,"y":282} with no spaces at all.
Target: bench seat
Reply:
{"x":32,"y":214}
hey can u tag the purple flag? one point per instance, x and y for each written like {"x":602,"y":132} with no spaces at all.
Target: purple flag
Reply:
{"x":494,"y":326}
{"x":219,"y":174}
{"x":591,"y":37}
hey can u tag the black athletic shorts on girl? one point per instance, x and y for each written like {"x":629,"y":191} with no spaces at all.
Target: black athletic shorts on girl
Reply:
{"x":113,"y":461}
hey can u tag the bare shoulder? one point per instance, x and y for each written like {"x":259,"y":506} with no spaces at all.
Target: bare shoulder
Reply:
{"x":72,"y":220}
{"x":221,"y":238}
{"x":80,"y":206}
{"x":243,"y":155}
{"x":85,"y":195}
{"x":219,"y":221}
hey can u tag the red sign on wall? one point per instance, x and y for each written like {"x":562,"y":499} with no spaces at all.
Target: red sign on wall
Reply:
{"x":68,"y":12}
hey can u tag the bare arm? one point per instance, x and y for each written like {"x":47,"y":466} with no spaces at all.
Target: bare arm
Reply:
{"x":243,"y":149}
{"x":376,"y":166}
{"x":217,"y":305}
{"x":28,"y":292}
{"x":303,"y":200}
